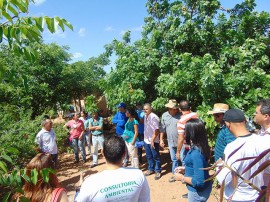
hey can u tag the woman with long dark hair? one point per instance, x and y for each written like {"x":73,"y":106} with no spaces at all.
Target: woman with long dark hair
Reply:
{"x":197,"y":158}
{"x":42,"y":191}
{"x":130,"y":136}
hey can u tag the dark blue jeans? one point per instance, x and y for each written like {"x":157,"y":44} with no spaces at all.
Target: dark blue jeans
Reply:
{"x":140,"y":136}
{"x":153,"y":157}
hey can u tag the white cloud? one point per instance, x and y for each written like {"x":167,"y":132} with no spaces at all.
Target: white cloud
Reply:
{"x":109,"y":29}
{"x":39,"y":2}
{"x":77,"y":55}
{"x":82,"y":32}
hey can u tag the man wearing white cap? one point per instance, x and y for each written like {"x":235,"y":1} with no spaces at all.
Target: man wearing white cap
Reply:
{"x":169,"y":121}
{"x":224,"y":136}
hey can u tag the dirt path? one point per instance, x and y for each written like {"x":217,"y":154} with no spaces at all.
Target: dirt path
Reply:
{"x":161,"y":190}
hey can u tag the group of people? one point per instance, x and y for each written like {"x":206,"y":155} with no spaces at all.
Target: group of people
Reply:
{"x":188,"y":145}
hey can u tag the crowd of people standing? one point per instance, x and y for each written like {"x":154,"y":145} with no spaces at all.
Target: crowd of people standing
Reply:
{"x":188,"y":146}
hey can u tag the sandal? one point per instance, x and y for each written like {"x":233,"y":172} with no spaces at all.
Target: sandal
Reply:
{"x":148,"y":172}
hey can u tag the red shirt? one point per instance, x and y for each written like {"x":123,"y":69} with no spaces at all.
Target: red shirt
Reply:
{"x":76,"y":128}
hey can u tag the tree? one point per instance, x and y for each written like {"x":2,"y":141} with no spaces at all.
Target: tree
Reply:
{"x":195,"y":50}
{"x":18,"y":30}
{"x":81,"y":79}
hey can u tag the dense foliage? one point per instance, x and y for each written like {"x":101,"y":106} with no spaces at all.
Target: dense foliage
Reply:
{"x":195,"y":50}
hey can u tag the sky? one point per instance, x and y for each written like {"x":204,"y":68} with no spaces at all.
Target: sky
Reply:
{"x":97,"y":22}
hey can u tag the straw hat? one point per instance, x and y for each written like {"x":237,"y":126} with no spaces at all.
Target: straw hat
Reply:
{"x":172,"y":104}
{"x":219,"y":108}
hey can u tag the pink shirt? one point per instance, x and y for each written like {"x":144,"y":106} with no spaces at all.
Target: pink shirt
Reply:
{"x":151,"y":123}
{"x":76,"y":128}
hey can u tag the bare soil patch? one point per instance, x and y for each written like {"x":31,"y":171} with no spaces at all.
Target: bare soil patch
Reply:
{"x":161,"y":190}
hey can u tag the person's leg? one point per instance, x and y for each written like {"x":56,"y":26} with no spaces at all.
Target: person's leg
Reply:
{"x":156,"y":156}
{"x":198,"y":196}
{"x":82,"y":148}
{"x":182,"y":155}
{"x":175,"y":162}
{"x":135,"y":159}
{"x":88,"y":141}
{"x":95,"y":145}
{"x":140,"y":136}
{"x":133,"y":153}
{"x":55,"y":160}
{"x":128,"y":149}
{"x":101,"y":141}
{"x":75,"y":147}
{"x":149,"y":156}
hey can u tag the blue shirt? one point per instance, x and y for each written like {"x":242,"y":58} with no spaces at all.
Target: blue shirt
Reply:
{"x":224,"y":137}
{"x":141,"y":125}
{"x":120,"y":120}
{"x":194,"y":161}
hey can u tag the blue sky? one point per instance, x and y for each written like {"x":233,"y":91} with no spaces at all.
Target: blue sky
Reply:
{"x":97,"y":22}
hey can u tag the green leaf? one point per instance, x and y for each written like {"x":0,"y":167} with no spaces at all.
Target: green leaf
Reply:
{"x":1,"y":4}
{"x":12,"y":150}
{"x":68,"y":24}
{"x":7,"y":16}
{"x":12,"y":10}
{"x":22,"y":5}
{"x":7,"y":158}
{"x":3,"y":166}
{"x":45,"y":174}
{"x":24,"y":176}
{"x":1,"y":34}
{"x":60,"y":23}
{"x":24,"y":199}
{"x":34,"y":176}
{"x":50,"y":24}
{"x":19,"y":190}
{"x":6,"y":197}
{"x":40,"y":23}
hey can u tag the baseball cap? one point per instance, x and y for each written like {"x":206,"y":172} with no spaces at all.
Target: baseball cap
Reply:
{"x":121,"y":104}
{"x":234,"y":116}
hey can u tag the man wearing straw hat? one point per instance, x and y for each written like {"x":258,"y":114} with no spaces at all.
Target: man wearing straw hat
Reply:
{"x":224,"y":136}
{"x":169,"y":121}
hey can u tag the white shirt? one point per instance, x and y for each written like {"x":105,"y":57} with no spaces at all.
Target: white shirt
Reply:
{"x":122,"y":184}
{"x":47,"y":141}
{"x":253,"y":145}
{"x":151,"y":124}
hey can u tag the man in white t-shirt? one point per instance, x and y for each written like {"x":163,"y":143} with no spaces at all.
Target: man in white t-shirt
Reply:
{"x":245,"y":145}
{"x":46,"y":139}
{"x":115,"y":183}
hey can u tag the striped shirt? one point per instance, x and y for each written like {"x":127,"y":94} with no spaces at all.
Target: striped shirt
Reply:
{"x":187,"y":115}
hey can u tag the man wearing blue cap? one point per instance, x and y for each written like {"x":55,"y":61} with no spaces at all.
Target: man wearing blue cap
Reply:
{"x":120,"y":119}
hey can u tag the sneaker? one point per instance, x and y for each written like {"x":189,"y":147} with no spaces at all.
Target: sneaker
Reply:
{"x":157,"y":176}
{"x":184,"y":196}
{"x":93,"y":165}
{"x":124,"y":164}
{"x":76,"y":161}
{"x":149,"y":172}
{"x":172,"y":179}
{"x":84,"y":160}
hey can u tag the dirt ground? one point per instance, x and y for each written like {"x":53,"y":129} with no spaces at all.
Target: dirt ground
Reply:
{"x":160,"y":190}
